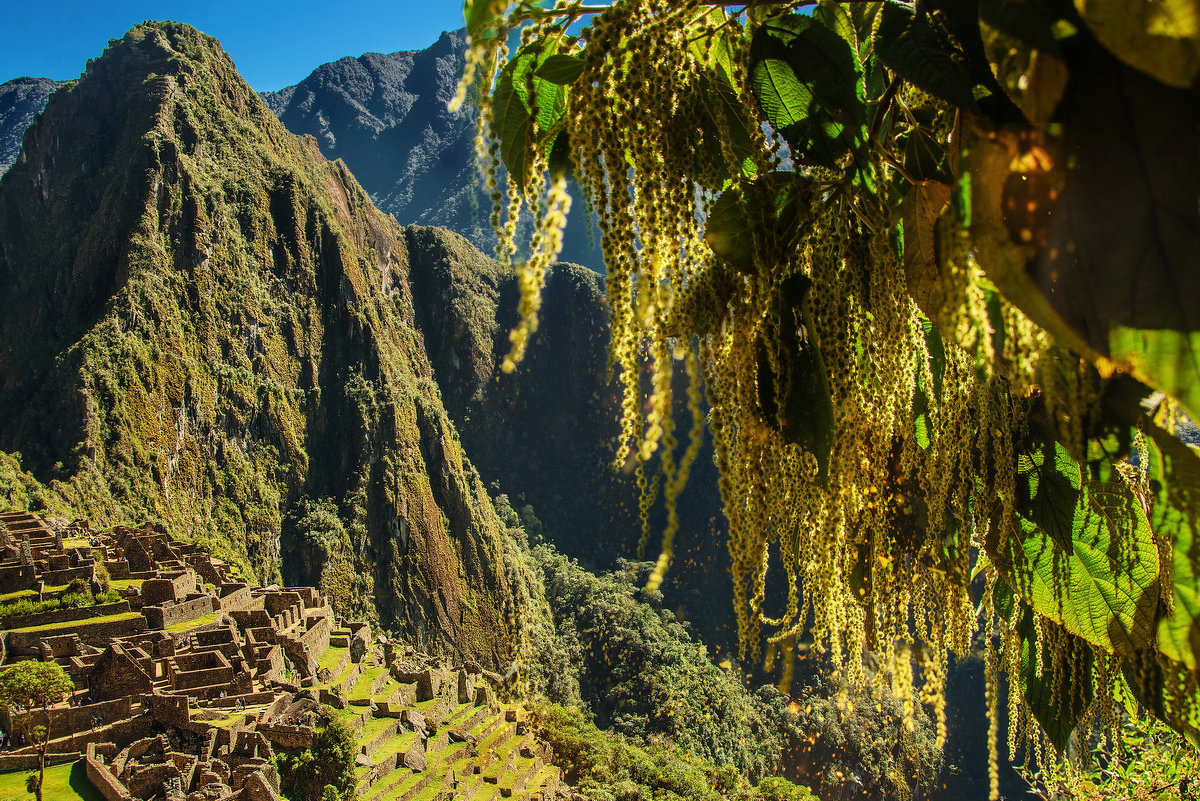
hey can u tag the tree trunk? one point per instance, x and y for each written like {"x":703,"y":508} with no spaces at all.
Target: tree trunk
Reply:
{"x":42,"y":754}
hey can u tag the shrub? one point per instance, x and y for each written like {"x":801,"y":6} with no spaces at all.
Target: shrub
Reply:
{"x":329,"y":764}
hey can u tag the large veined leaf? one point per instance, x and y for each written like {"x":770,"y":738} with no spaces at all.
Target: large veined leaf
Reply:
{"x":1174,"y":471}
{"x":796,"y":397}
{"x":1048,"y":487}
{"x":1161,"y":38}
{"x":909,"y":43}
{"x":1105,"y":589}
{"x":809,"y":83}
{"x":518,"y":94}
{"x":513,"y":124}
{"x":1104,"y":256}
{"x":1056,"y":695}
{"x":1168,"y":689}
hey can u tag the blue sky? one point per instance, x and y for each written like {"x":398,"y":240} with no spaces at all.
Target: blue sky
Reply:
{"x":274,"y":44}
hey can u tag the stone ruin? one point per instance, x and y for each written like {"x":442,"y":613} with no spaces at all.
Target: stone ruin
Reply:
{"x":190,"y":683}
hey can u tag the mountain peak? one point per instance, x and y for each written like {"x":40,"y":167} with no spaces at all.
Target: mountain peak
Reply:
{"x":204,"y":322}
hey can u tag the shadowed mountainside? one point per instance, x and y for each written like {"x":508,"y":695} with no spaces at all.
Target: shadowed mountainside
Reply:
{"x":545,"y":435}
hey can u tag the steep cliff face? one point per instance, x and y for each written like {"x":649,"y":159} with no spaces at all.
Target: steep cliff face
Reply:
{"x":205,"y":322}
{"x":20,"y":101}
{"x":545,"y":435}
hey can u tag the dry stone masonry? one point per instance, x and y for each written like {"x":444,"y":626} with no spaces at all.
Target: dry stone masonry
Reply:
{"x":190,"y":683}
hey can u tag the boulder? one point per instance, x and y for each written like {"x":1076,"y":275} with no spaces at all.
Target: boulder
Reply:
{"x":414,"y":719}
{"x":466,"y":687}
{"x":458,"y":735}
{"x":359,"y":645}
{"x":414,"y":758}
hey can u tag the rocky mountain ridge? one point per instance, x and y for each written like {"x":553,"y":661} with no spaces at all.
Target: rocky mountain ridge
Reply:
{"x":21,"y":99}
{"x":385,"y":115}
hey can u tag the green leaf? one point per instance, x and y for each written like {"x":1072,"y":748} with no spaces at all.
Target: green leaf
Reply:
{"x":561,"y":69}
{"x":483,"y":18}
{"x":908,"y":43}
{"x":783,"y":98}
{"x":1166,"y":359}
{"x":797,"y":401}
{"x":1048,"y":490}
{"x":519,"y":93}
{"x":808,"y":81}
{"x":513,"y":125}
{"x":1005,"y":600}
{"x":937,"y":365}
{"x":1174,"y":473}
{"x":1161,"y":38}
{"x":1058,"y":698}
{"x":1106,"y":588}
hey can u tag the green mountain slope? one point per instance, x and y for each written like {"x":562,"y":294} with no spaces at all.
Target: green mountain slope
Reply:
{"x":203,"y":321}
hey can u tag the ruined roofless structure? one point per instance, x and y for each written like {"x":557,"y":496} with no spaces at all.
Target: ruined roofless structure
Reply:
{"x":192,"y":680}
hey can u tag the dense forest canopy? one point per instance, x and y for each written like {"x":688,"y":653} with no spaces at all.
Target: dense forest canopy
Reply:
{"x":932,"y":266}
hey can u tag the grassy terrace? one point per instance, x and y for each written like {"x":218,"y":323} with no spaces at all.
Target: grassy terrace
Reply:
{"x":332,"y":656}
{"x":362,"y":687}
{"x":188,"y":625}
{"x":124,"y":584}
{"x":68,"y":624}
{"x":9,"y":597}
{"x":373,"y":728}
{"x":63,"y":783}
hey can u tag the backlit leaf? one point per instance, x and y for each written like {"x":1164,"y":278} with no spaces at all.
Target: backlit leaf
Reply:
{"x":561,"y":68}
{"x":808,"y":81}
{"x":1097,"y":592}
{"x":1161,"y":38}
{"x":1105,"y":589}
{"x":1174,"y":471}
{"x":1048,"y":487}
{"x":924,"y":203}
{"x":519,"y":93}
{"x":1059,"y":697}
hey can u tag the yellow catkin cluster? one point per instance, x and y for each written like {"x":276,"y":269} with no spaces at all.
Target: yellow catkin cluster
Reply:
{"x":881,"y":542}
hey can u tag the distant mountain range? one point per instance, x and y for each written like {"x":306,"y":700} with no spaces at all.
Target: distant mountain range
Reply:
{"x":21,"y":99}
{"x":385,"y":116}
